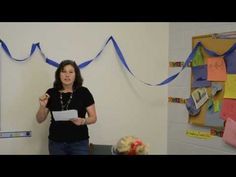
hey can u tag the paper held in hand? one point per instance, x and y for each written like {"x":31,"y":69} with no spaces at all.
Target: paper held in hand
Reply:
{"x":64,"y":115}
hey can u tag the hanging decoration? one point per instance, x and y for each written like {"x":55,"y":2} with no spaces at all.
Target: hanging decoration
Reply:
{"x":121,"y":58}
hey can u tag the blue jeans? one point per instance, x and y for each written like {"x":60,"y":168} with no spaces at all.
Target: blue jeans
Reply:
{"x":64,"y":148}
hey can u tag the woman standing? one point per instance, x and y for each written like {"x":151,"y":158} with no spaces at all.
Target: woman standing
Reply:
{"x":68,"y":137}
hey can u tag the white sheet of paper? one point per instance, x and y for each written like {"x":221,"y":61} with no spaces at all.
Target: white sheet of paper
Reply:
{"x":64,"y":115}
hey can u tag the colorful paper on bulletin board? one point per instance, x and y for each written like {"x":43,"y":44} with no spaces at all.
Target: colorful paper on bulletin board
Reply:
{"x":200,"y":76}
{"x":198,"y":58}
{"x":216,"y":105}
{"x":231,"y":62}
{"x":199,"y":97}
{"x":199,"y":119}
{"x":216,"y":88}
{"x":199,"y":134}
{"x":216,"y":70}
{"x":213,"y":118}
{"x":190,"y":105}
{"x":199,"y":72}
{"x":229,"y":135}
{"x":199,"y":84}
{"x":228,"y":109}
{"x":230,"y":86}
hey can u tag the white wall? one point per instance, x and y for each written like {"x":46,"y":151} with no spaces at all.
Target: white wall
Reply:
{"x":180,"y":47}
{"x":124,"y":105}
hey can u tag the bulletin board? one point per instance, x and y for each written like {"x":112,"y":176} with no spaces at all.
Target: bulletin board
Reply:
{"x":219,"y":46}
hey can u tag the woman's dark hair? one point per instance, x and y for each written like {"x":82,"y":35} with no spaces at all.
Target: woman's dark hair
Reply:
{"x":78,"y":78}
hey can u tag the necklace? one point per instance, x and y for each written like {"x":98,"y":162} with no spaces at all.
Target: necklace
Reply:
{"x":65,"y":106}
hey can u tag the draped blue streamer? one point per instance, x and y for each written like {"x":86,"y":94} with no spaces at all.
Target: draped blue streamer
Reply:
{"x":121,"y":57}
{"x":51,"y":62}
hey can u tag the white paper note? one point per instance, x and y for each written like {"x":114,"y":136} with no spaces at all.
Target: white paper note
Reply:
{"x":64,"y":115}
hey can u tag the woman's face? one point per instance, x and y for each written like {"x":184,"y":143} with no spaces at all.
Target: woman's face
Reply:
{"x":67,"y":75}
